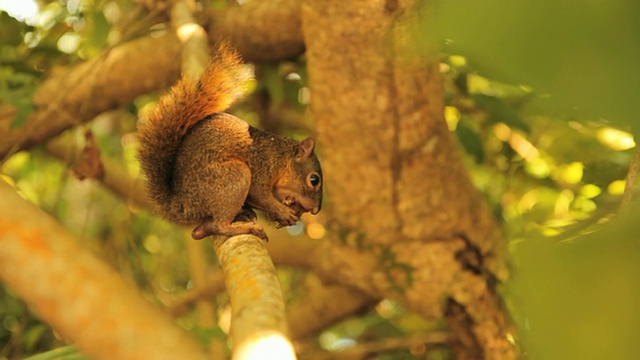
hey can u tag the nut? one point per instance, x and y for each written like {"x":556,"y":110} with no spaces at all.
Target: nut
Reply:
{"x":288,"y":201}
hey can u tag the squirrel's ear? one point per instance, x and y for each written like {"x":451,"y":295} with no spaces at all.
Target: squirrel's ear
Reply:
{"x":306,"y":148}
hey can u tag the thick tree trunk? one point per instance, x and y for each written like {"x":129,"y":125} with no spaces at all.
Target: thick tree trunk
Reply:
{"x":397,"y":187}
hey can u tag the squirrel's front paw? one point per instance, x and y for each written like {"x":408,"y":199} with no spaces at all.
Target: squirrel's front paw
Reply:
{"x":285,"y":217}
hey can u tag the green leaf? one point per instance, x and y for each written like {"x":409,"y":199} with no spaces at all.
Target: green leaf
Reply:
{"x":470,"y":141}
{"x":96,"y":33}
{"x":17,"y":88}
{"x":499,"y":111}
{"x":273,"y":83}
{"x":206,"y":335}
{"x":11,"y":30}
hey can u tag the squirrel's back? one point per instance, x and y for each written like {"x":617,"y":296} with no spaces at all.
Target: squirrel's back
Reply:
{"x":187,"y":103}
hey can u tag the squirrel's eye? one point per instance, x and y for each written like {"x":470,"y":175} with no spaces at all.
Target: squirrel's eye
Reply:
{"x":313,"y":179}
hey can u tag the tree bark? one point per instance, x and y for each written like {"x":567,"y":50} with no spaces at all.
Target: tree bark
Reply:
{"x":261,"y":30}
{"x":400,"y":198}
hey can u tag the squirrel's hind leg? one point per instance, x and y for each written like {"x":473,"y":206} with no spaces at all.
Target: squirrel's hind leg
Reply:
{"x":247,"y":214}
{"x":229,"y":182}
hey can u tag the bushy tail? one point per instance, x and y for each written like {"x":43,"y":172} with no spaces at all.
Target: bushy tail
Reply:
{"x":188,"y":102}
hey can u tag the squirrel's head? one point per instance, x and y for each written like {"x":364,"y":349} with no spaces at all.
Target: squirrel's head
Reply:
{"x":300,"y":186}
{"x":309,"y":172}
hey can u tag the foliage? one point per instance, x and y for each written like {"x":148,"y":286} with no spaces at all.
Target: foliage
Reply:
{"x":561,"y":174}
{"x":577,"y":56}
{"x":552,"y":180}
{"x":17,"y":81}
{"x":578,"y":299}
{"x":537,"y":180}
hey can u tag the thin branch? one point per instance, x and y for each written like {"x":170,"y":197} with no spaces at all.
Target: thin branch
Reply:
{"x":258,"y":323}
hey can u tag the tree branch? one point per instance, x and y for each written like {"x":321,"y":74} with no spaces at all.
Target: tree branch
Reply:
{"x":79,"y":93}
{"x":261,"y":30}
{"x":79,"y":295}
{"x":258,"y":322}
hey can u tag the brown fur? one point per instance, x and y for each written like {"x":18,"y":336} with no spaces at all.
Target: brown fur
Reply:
{"x":210,"y":168}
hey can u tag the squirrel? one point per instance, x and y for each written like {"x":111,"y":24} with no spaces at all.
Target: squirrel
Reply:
{"x":208,"y":168}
